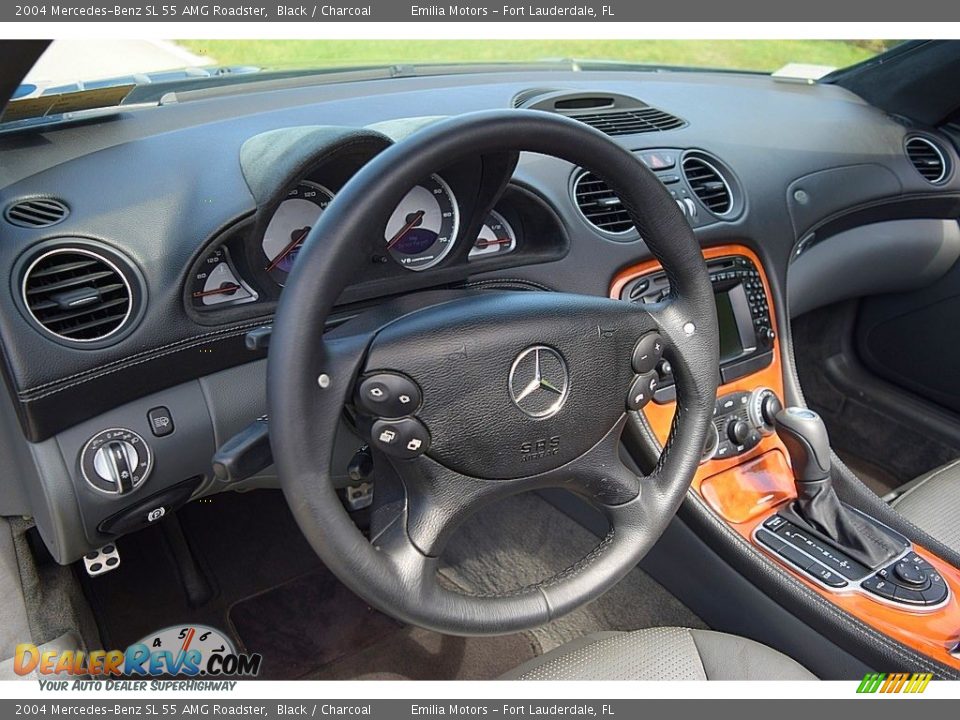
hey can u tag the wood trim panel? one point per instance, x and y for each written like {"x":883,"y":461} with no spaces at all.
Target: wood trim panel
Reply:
{"x":747,"y":489}
{"x":660,"y":416}
{"x":931,"y":633}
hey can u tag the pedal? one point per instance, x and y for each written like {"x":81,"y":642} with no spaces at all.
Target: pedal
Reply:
{"x":102,"y":561}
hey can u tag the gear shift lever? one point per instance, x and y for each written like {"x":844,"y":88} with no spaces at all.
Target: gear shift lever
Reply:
{"x":817,"y":507}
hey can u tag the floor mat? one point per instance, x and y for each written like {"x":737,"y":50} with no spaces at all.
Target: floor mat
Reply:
{"x":325,"y":622}
{"x":275,"y":597}
{"x":525,"y":539}
{"x":245,"y":543}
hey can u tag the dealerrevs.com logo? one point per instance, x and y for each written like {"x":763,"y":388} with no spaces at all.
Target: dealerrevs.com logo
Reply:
{"x":184,"y":650}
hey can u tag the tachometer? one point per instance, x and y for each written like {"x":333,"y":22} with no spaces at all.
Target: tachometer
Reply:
{"x":423,"y":228}
{"x":496,"y":237}
{"x":290,"y":225}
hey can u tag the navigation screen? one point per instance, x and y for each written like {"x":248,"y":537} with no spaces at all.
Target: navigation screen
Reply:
{"x":730,"y":345}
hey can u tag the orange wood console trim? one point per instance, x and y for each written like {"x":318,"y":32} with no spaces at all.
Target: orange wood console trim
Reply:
{"x":745,"y":490}
{"x":660,"y":417}
{"x":931,"y":633}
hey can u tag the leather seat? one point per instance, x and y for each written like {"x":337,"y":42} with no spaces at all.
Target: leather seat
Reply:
{"x":667,"y":653}
{"x":932,"y":503}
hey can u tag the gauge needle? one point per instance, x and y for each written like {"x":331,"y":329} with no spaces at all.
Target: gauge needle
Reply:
{"x":222,"y":290}
{"x":294,"y":244}
{"x":417,"y":217}
{"x":496,"y":241}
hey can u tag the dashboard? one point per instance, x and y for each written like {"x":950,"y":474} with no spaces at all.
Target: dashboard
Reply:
{"x":144,"y":249}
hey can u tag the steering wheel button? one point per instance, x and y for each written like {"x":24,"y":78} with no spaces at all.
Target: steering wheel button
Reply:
{"x":388,"y":395}
{"x":405,"y":439}
{"x":647,"y":353}
{"x":641,"y":391}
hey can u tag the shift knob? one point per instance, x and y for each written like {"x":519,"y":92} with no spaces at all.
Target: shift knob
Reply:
{"x":805,"y":437}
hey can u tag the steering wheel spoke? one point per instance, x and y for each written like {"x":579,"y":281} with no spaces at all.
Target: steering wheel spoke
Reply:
{"x":600,"y":475}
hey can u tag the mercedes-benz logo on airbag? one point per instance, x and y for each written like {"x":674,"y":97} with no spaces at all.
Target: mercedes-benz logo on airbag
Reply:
{"x":539,"y":381}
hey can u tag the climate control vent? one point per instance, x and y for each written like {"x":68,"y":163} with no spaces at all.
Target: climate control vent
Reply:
{"x":927,"y":158}
{"x":600,"y":206}
{"x":708,"y":184}
{"x":36,"y":213}
{"x":630,"y":122}
{"x":77,"y":294}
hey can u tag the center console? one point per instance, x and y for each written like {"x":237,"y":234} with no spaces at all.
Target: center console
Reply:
{"x":767,"y":475}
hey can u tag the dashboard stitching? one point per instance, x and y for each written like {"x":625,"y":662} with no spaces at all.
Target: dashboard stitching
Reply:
{"x":139,"y":359}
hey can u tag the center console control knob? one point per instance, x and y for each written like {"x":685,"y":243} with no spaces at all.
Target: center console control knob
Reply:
{"x":738,"y":432}
{"x":116,"y":461}
{"x":762,"y":408}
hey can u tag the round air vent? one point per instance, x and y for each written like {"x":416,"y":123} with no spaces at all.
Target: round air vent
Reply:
{"x":708,"y":184}
{"x":36,"y":213}
{"x":78,"y":294}
{"x":927,"y":157}
{"x":600,"y":206}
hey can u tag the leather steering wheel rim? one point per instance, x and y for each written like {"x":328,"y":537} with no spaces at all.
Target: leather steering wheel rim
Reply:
{"x":311,"y":377}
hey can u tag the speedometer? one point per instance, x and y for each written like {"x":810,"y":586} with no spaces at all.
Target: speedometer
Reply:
{"x":424,"y":226}
{"x":290,"y":225}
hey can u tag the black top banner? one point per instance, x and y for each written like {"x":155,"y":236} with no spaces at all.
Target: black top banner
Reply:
{"x":497,"y":11}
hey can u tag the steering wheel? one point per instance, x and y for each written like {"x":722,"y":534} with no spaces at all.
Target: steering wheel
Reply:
{"x":506,"y":392}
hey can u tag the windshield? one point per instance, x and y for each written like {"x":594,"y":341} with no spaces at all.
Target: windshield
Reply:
{"x":70,"y":61}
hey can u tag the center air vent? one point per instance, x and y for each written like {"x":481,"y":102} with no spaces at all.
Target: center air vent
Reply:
{"x":927,"y":158}
{"x":600,"y":206}
{"x":708,"y":184}
{"x":77,"y":294}
{"x":36,"y":213}
{"x":630,"y":122}
{"x":612,"y":113}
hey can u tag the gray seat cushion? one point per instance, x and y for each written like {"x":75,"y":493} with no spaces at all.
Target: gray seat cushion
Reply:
{"x":14,"y":619}
{"x":932,"y":503}
{"x":661,"y":654}
{"x":14,"y":626}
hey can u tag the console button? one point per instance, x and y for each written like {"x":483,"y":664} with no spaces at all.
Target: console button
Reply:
{"x":406,"y":438}
{"x":770,"y":540}
{"x":909,"y":574}
{"x":883,"y":588}
{"x":935,"y":594}
{"x":909,"y":596}
{"x":642,"y":390}
{"x":647,"y":353}
{"x":738,"y":431}
{"x":832,"y":558}
{"x":774,"y":521}
{"x":826,"y":576}
{"x":795,"y":557}
{"x":388,"y":395}
{"x":161,"y":421}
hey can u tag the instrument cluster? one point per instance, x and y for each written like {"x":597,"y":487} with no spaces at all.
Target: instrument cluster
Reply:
{"x":431,"y":229}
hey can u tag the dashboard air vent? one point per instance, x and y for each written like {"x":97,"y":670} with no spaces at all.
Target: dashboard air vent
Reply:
{"x":77,"y":294}
{"x":630,"y":122}
{"x":600,"y":206}
{"x":36,"y":213}
{"x":708,"y":184}
{"x":927,"y":158}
